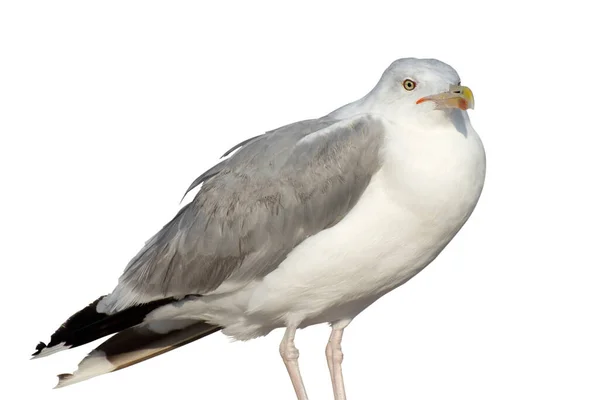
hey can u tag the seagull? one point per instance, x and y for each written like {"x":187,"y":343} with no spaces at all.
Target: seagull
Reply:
{"x":306,"y":224}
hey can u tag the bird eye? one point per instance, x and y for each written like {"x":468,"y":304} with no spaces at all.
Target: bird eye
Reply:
{"x":409,"y":84}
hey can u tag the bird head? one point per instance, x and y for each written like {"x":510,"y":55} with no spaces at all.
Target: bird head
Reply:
{"x":419,"y":86}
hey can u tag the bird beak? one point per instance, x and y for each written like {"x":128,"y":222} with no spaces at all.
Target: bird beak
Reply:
{"x":457,"y":97}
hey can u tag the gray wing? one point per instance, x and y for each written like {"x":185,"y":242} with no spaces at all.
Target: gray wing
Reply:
{"x":254,"y":207}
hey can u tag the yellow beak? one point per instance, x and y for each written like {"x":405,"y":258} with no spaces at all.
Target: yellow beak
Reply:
{"x":457,"y":97}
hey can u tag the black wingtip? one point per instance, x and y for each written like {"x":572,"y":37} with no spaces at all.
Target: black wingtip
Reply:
{"x":88,"y":324}
{"x":38,"y":349}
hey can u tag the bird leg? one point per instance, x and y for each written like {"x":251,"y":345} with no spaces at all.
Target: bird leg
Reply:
{"x":334,"y":354}
{"x":289,"y":354}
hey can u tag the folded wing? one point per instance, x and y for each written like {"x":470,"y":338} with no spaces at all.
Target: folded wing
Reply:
{"x":253,"y":208}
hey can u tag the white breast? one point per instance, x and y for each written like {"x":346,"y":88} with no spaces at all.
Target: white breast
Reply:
{"x":435,"y":173}
{"x":425,"y":191}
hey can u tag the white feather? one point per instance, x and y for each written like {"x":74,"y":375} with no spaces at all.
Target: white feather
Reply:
{"x":93,"y":365}
{"x":46,"y":351}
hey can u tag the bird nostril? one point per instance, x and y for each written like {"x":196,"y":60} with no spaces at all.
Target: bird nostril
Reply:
{"x":456,"y":91}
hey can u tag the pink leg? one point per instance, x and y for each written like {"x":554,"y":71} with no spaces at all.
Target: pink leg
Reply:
{"x":335,"y":356}
{"x":289,"y":354}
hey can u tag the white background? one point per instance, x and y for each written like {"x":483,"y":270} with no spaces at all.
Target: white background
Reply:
{"x":108,"y":110}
